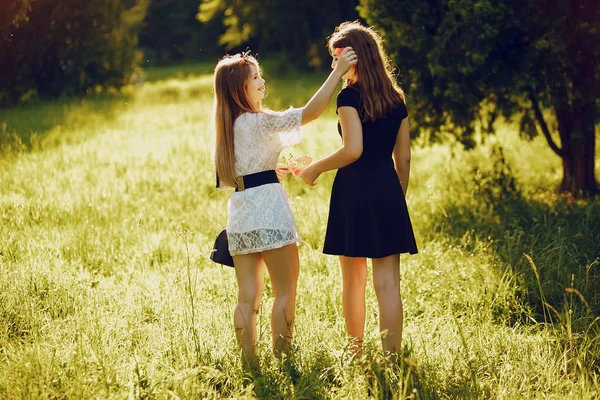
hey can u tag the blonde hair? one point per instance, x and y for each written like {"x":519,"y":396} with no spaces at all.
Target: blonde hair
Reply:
{"x":231,"y":100}
{"x":379,"y":91}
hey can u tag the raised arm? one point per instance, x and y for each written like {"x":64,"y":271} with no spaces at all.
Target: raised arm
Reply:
{"x":317,"y":104}
{"x":402,"y":154}
{"x":350,"y":151}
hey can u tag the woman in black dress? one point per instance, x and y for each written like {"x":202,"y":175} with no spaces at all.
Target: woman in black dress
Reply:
{"x":368,"y":216}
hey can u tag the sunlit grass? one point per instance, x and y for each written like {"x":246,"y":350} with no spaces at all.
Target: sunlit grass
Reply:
{"x":98,"y":199}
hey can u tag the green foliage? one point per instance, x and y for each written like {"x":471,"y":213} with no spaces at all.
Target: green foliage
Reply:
{"x":13,"y":13}
{"x":462,"y":59}
{"x":455,"y":55}
{"x":51,"y":48}
{"x":485,"y":201}
{"x":296,"y":29}
{"x":105,"y":293}
{"x":171,"y":31}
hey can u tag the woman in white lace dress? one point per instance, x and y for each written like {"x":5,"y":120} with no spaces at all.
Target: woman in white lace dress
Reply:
{"x":261,"y":226}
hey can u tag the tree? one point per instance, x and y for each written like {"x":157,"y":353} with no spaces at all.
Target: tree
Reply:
{"x":49,"y":48}
{"x":473,"y":60}
{"x":13,"y":13}
{"x":297,"y":29}
{"x":172,"y":31}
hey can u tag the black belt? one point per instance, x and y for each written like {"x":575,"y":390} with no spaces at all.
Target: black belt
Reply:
{"x":257,"y":179}
{"x":254,"y":180}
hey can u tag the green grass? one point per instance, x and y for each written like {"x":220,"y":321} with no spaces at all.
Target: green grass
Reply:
{"x":108,"y":214}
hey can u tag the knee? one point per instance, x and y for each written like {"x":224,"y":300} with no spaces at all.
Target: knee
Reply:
{"x":354,"y":282}
{"x":250,"y":297}
{"x":386,"y":287}
{"x":288,"y":297}
{"x":287,"y":291}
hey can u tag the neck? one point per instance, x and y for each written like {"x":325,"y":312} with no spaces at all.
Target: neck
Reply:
{"x":354,"y":78}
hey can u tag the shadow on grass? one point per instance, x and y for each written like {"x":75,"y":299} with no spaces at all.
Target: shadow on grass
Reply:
{"x":373,"y":376}
{"x":551,"y":241}
{"x":26,"y":126}
{"x":46,"y":123}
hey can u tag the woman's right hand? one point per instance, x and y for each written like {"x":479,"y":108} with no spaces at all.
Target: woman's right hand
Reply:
{"x":346,"y":60}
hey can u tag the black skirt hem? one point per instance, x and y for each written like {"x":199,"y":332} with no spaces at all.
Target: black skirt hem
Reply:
{"x":365,"y":255}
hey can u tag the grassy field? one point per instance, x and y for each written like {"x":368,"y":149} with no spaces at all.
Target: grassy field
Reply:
{"x":108,"y":214}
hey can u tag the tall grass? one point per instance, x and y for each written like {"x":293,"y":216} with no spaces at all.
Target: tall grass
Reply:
{"x":105,"y":291}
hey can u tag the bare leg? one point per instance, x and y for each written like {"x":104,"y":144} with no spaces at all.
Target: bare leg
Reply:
{"x":354,"y":278}
{"x":386,"y":279}
{"x":249,"y":272}
{"x":283,"y":267}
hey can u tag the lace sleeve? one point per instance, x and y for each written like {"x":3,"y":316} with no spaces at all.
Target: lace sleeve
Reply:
{"x":283,"y":128}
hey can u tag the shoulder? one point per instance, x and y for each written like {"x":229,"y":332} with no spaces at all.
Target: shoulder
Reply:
{"x":351,"y":90}
{"x":246,"y":122}
{"x":267,"y":113}
{"x":269,"y":121}
{"x":257,"y":117}
{"x":401,"y":110}
{"x":289,"y":114}
{"x":349,"y":96}
{"x":243,"y":118}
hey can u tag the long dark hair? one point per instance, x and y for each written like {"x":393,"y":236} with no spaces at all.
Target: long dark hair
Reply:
{"x":379,"y":91}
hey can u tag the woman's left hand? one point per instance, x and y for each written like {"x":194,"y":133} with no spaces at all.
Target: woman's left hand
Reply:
{"x":310,"y":175}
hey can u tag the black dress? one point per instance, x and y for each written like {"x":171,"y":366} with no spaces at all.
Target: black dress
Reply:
{"x":368,"y":216}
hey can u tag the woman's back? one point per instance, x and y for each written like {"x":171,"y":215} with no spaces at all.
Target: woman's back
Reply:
{"x":368,"y":215}
{"x":379,"y":137}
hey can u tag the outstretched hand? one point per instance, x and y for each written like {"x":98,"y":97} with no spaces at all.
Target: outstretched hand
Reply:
{"x":310,"y":175}
{"x":346,"y":60}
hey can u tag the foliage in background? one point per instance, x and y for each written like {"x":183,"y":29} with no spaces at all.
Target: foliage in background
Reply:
{"x":297,"y":29}
{"x":14,"y":12}
{"x":468,"y":62}
{"x":171,"y":31}
{"x":49,"y":48}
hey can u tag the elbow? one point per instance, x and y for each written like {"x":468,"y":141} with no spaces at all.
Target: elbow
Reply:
{"x":404,"y":159}
{"x":353,"y":154}
{"x":308,"y":117}
{"x":309,"y":114}
{"x":403,"y":163}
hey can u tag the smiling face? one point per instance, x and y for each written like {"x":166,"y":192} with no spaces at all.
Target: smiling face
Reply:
{"x":255,"y":87}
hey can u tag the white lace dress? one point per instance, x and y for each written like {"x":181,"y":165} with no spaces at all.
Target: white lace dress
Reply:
{"x":261,"y":218}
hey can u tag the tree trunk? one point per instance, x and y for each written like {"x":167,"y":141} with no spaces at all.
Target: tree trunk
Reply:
{"x":576,"y":127}
{"x":578,"y":154}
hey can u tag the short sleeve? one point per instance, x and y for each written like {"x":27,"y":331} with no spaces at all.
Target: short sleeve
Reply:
{"x":349,"y":97}
{"x":283,"y":128}
{"x":403,"y":111}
